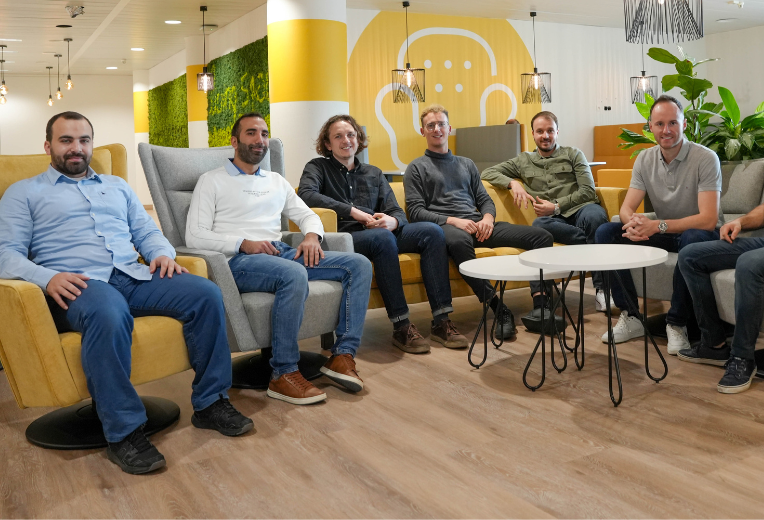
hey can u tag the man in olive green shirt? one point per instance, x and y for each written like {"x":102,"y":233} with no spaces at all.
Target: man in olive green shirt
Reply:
{"x":557,"y":181}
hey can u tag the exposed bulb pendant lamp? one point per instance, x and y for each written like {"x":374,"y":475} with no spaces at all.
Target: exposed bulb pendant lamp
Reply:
{"x":3,"y":88}
{"x":408,"y":83}
{"x":644,"y":84}
{"x":536,"y":86}
{"x":69,"y":83}
{"x":663,"y":21}
{"x":204,"y":80}
{"x":59,"y":95}
{"x":50,"y":89}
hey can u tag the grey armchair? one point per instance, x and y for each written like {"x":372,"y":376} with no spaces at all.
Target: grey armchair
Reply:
{"x":172,"y":174}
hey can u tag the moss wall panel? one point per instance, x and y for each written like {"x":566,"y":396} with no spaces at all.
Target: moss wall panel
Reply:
{"x":168,"y":114}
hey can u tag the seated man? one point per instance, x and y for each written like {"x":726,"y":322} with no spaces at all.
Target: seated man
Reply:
{"x":75,"y":234}
{"x":446,"y":189}
{"x":560,"y":187}
{"x":683,"y":180}
{"x":746,"y":257}
{"x":367,"y":209}
{"x":236,"y":210}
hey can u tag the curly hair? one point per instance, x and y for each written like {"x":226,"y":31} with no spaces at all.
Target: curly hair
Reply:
{"x":432,"y":109}
{"x":323,"y":135}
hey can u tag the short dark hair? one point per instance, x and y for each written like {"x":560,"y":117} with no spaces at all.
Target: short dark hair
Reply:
{"x":546,"y":115}
{"x":236,"y":130}
{"x":323,"y":134}
{"x":66,"y":115}
{"x":665,"y":98}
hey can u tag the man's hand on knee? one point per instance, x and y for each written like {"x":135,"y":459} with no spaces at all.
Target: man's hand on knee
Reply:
{"x":66,"y":285}
{"x":252,"y":247}
{"x":484,"y":228}
{"x":166,"y":266}
{"x":463,"y":224}
{"x":310,"y":250}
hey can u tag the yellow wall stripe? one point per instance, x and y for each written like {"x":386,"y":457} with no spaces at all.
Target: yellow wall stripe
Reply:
{"x":197,"y":100}
{"x":307,"y":60}
{"x":141,"y":111}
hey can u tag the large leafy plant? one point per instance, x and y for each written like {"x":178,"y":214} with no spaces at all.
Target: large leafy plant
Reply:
{"x":734,"y":139}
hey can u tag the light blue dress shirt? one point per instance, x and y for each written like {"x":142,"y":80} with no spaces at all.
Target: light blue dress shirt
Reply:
{"x":51,"y":224}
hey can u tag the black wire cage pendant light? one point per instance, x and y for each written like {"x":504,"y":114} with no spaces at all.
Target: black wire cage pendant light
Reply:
{"x":69,"y":83}
{"x":3,"y":88}
{"x":644,"y":84}
{"x":536,"y":86}
{"x":205,"y":81}
{"x":59,"y":95}
{"x":408,"y":83}
{"x":663,"y":21}
{"x":50,"y":89}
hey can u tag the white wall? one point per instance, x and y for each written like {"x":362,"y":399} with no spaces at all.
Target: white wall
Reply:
{"x":247,"y":29}
{"x":104,"y":99}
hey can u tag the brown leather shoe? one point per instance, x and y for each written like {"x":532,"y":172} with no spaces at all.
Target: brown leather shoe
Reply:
{"x":409,"y":340}
{"x":341,"y":369}
{"x":446,"y":334}
{"x":294,"y":388}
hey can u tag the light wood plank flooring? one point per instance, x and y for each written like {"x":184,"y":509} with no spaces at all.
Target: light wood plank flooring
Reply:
{"x":429,"y":437}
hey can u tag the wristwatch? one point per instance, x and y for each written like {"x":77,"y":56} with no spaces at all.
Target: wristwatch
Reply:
{"x":662,"y":227}
{"x":556,"y":209}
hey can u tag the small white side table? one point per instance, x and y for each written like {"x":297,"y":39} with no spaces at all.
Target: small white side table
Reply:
{"x":605,"y":258}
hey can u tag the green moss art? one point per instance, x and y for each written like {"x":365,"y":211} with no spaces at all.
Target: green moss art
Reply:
{"x":168,"y":114}
{"x":241,"y":86}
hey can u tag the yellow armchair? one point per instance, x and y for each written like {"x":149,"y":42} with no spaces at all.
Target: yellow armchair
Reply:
{"x":44,"y":367}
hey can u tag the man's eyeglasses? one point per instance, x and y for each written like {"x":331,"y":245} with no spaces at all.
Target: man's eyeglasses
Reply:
{"x":438,"y":124}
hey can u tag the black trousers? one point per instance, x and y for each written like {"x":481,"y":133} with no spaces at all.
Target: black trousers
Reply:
{"x":461,"y":247}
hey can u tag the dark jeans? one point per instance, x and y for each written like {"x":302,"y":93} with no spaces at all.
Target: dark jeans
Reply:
{"x":681,"y":302}
{"x":382,"y":247}
{"x":579,"y":228}
{"x":461,"y":247}
{"x":746,"y":257}
{"x":104,"y":314}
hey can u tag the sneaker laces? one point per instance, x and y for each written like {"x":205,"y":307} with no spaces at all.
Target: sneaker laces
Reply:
{"x":298,"y":380}
{"x":735,"y":366}
{"x":226,"y":409}
{"x":139,"y":441}
{"x":450,"y":328}
{"x":413,"y":333}
{"x":622,"y":324}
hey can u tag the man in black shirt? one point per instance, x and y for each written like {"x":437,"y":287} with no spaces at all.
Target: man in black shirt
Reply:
{"x":446,"y":189}
{"x":366,"y":208}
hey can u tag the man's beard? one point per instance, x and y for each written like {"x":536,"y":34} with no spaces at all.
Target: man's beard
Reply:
{"x":251,"y":155}
{"x":546,"y":147}
{"x":60,"y":163}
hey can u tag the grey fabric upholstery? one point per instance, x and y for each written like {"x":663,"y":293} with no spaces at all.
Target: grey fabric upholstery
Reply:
{"x":172,"y":174}
{"x":742,"y":185}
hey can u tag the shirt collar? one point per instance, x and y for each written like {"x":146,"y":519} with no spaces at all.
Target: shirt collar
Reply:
{"x":53,"y":175}
{"x":681,"y":156}
{"x":341,"y":167}
{"x":234,"y":170}
{"x":554,"y":153}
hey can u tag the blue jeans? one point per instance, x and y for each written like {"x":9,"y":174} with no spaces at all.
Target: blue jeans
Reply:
{"x":382,"y":247}
{"x":681,"y":302}
{"x":104,"y":314}
{"x":746,"y":257}
{"x":288,"y":279}
{"x":579,"y":228}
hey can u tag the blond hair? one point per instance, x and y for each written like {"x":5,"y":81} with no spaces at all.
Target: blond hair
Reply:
{"x":432,"y":109}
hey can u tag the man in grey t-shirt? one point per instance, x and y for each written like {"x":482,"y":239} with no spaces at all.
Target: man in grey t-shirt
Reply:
{"x":684,"y":182}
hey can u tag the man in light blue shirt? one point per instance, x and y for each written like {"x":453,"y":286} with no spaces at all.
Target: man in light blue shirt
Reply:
{"x":77,"y":235}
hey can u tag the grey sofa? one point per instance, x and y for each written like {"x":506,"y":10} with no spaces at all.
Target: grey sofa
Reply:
{"x":172,"y":174}
{"x":742,"y":190}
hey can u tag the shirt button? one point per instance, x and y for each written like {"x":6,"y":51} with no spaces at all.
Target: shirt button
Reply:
{"x":92,"y":215}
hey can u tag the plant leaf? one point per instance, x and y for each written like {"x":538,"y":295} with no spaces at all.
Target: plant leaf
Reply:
{"x":705,"y":61}
{"x":760,"y":107}
{"x":747,"y":140}
{"x":730,"y":105}
{"x":693,"y":86}
{"x":636,"y":152}
{"x":669,"y":81}
{"x":684,"y":67}
{"x":633,"y":137}
{"x":644,"y":109}
{"x":662,"y":55}
{"x":753,"y":121}
{"x":731,"y":148}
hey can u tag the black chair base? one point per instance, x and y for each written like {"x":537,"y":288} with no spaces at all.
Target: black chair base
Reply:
{"x":254,"y":372}
{"x":77,"y":427}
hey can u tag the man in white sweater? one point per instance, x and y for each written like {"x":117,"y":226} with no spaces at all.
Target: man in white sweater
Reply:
{"x":236,"y":210}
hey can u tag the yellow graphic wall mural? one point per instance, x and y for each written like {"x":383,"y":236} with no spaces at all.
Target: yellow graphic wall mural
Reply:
{"x":472,"y":67}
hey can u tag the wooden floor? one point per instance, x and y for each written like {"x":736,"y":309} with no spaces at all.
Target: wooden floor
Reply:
{"x":429,"y":437}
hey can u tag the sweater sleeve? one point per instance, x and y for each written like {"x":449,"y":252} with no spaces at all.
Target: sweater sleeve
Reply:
{"x":415,"y":189}
{"x":201,"y":219}
{"x":482,"y":200}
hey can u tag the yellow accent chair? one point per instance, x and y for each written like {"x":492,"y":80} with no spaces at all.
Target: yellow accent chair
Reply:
{"x":44,"y":367}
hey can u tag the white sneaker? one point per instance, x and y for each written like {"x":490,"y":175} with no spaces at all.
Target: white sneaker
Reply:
{"x":628,"y":327}
{"x":677,"y":339}
{"x":599,"y":301}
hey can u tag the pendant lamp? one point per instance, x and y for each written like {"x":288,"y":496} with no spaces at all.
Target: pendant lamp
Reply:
{"x":59,"y":95}
{"x":663,"y":21}
{"x":50,"y":90}
{"x":644,"y":84}
{"x":205,"y":81}
{"x":69,"y":83}
{"x":536,"y":86}
{"x":408,"y":82}
{"x":3,"y":88}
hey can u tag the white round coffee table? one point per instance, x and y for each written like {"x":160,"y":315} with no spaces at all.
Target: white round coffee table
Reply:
{"x":505,"y":269}
{"x":605,"y":258}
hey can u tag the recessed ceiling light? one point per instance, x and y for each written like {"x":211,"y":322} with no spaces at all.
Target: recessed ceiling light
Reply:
{"x":172,"y":22}
{"x":111,"y":68}
{"x":63,"y":26}
{"x":726,"y":20}
{"x":8,"y":40}
{"x":137,"y":48}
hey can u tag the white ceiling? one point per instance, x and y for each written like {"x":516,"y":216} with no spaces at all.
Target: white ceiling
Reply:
{"x":103,"y":36}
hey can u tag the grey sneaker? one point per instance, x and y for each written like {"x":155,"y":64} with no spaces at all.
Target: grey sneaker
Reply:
{"x":628,"y":327}
{"x":698,"y":353}
{"x":738,"y":375}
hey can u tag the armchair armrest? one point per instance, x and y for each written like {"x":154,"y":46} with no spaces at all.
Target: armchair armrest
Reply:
{"x":611,"y":199}
{"x":30,"y":348}
{"x":194,"y":265}
{"x":328,"y":219}
{"x":240,"y":336}
{"x":340,"y":242}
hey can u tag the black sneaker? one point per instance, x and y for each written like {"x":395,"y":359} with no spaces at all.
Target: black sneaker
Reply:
{"x":532,"y":321}
{"x":505,"y":324}
{"x":698,"y":353}
{"x":738,"y":375}
{"x":223,"y":417}
{"x":135,"y":454}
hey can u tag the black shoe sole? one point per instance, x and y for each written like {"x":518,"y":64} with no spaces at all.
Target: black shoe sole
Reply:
{"x":233,"y":432}
{"x":132,"y":470}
